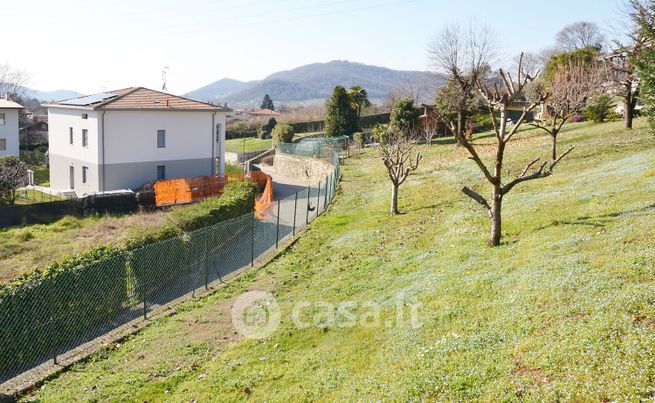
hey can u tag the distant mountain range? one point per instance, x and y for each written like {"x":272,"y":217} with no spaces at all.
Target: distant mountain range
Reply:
{"x":48,"y":96}
{"x":314,"y":83}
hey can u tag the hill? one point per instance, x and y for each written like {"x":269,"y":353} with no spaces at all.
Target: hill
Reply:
{"x":562,"y":310}
{"x":314,"y":82}
{"x":48,"y":96}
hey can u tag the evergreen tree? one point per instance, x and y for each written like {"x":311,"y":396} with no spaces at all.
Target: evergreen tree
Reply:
{"x":341,"y":117}
{"x":267,"y":103}
{"x":404,"y":116}
{"x":643,"y":15}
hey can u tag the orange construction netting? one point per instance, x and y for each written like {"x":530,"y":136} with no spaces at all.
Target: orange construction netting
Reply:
{"x":186,"y":190}
{"x":264,"y":202}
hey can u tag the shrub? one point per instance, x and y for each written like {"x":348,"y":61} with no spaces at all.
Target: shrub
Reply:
{"x":34,"y":323}
{"x":359,"y":139}
{"x":380,"y":133}
{"x":266,"y":128}
{"x":577,"y":118}
{"x":282,"y":134}
{"x":599,"y":108}
{"x":237,"y":199}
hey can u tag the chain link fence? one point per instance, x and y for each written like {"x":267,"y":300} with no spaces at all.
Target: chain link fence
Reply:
{"x":40,"y":321}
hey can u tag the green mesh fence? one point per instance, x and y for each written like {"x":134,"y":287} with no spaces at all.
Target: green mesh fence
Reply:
{"x":46,"y":318}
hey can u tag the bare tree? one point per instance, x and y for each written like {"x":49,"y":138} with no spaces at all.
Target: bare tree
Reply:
{"x":399,"y":159}
{"x":580,"y":35}
{"x":463,"y":55}
{"x":499,"y":98}
{"x":570,"y":88}
{"x":429,"y":127}
{"x":11,"y":80}
{"x":13,"y":175}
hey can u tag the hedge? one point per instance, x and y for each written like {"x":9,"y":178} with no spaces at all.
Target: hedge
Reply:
{"x":54,"y":309}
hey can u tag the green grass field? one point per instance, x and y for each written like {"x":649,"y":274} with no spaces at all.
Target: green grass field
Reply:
{"x":253,"y":144}
{"x":564,"y":309}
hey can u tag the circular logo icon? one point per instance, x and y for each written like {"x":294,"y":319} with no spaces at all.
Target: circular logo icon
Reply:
{"x":256,"y":314}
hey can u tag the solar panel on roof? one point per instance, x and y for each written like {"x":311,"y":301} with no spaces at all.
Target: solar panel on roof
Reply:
{"x":91,"y":99}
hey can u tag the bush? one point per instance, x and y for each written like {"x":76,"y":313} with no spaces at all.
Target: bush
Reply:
{"x":599,"y":108}
{"x":237,"y":199}
{"x":266,"y":128}
{"x":380,"y":133}
{"x":577,"y":118}
{"x":359,"y":139}
{"x":34,"y":323}
{"x":482,"y":122}
{"x":282,"y":134}
{"x":241,"y":129}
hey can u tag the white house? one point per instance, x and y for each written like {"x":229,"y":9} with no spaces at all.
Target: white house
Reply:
{"x":122,"y":139}
{"x":9,"y":127}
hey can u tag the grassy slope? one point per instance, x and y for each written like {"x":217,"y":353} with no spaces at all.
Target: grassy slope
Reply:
{"x":25,"y":248}
{"x":253,"y":144}
{"x":563,"y":309}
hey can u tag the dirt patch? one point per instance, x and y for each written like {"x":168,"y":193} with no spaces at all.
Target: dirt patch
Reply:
{"x":525,"y":371}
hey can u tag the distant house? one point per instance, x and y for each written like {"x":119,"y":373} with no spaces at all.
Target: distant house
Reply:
{"x":35,"y":132}
{"x":125,"y":138}
{"x":429,"y":119}
{"x":264,"y":113}
{"x":9,"y":127}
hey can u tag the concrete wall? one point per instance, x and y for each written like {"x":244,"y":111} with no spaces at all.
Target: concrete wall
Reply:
{"x":9,"y":132}
{"x":134,"y":174}
{"x":303,"y":169}
{"x":60,"y":174}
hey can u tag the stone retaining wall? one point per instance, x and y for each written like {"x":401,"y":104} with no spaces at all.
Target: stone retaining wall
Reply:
{"x":307,"y":170}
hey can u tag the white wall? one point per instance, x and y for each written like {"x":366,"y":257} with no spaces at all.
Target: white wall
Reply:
{"x":9,"y":132}
{"x":131,"y":136}
{"x":60,"y":121}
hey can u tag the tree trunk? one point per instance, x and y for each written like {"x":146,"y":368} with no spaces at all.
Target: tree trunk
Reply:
{"x":460,"y":126}
{"x":496,"y":205}
{"x":553,"y":147}
{"x":394,"y":199}
{"x":629,"y":110}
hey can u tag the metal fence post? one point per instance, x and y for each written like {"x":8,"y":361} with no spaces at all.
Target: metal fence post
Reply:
{"x":252,"y":241}
{"x":309,"y":192}
{"x":295,"y":212}
{"x":204,"y":261}
{"x":318,"y":199}
{"x":326,"y":193}
{"x":277,"y":234}
{"x":145,"y":301}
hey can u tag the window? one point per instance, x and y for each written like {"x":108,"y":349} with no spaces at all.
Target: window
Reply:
{"x":70,"y":135}
{"x":85,"y":116}
{"x":85,"y":174}
{"x":3,"y":144}
{"x":2,"y":119}
{"x":161,"y":138}
{"x":85,"y":138}
{"x":161,"y":172}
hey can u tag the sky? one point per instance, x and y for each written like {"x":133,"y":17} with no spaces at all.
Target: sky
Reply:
{"x":98,"y":45}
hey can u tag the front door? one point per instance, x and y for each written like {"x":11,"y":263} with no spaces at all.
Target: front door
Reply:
{"x":72,"y":176}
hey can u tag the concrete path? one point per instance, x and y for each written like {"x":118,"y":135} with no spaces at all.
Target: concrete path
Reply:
{"x":283,"y":187}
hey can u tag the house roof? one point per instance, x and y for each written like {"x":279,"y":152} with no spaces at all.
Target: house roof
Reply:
{"x":264,"y":112}
{"x":7,"y":104}
{"x":138,"y":98}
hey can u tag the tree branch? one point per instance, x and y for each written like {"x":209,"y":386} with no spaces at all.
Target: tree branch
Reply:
{"x":537,"y":174}
{"x":478,"y":198}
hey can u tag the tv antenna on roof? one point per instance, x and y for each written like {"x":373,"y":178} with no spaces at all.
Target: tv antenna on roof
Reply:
{"x":163,"y":78}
